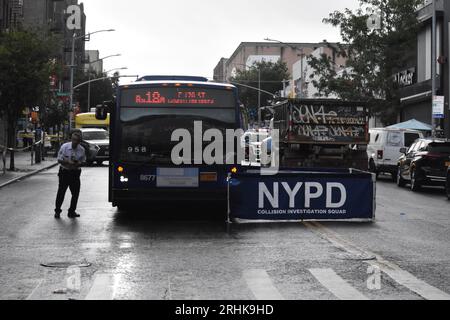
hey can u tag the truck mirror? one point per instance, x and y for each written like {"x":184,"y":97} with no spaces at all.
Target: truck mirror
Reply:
{"x":101,"y":112}
{"x":403,"y":150}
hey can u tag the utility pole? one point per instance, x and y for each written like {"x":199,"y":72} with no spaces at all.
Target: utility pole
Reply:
{"x":259,"y":97}
{"x":73,"y":66}
{"x":433,"y":67}
{"x":72,"y":69}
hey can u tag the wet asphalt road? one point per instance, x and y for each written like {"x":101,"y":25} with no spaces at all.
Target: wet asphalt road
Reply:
{"x":134,"y":256}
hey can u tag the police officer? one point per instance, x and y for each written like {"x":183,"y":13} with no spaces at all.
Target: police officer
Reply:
{"x":71,"y":156}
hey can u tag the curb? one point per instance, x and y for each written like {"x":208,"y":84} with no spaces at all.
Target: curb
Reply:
{"x":27,"y":175}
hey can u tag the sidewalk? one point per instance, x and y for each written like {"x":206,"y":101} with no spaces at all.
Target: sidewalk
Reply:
{"x":23,"y":166}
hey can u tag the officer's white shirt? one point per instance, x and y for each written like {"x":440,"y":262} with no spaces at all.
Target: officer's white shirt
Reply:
{"x":67,"y":153}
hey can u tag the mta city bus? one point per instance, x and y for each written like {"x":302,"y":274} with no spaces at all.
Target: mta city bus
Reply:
{"x":145,"y":116}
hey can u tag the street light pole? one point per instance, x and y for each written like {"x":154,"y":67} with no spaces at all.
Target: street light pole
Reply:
{"x":72,"y":69}
{"x":89,"y":70}
{"x":89,"y":90}
{"x":259,"y":98}
{"x":115,"y":69}
{"x":433,"y":67}
{"x":73,"y":66}
{"x":302,"y":55}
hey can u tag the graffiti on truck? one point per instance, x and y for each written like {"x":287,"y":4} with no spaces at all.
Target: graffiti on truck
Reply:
{"x":329,"y":133}
{"x":320,"y":114}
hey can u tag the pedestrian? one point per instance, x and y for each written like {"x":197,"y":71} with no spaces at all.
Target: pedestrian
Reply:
{"x":71,"y":156}
{"x":25,"y":138}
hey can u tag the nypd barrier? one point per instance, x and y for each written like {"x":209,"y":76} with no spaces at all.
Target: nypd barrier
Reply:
{"x":309,"y":194}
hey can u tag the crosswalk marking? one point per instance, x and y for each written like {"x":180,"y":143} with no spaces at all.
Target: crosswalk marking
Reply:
{"x":102,"y":288}
{"x":399,"y":275}
{"x":261,"y":285}
{"x":30,"y":296}
{"x":409,"y":281}
{"x":336,"y":285}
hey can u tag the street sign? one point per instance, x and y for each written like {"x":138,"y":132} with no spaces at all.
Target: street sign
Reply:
{"x":62,"y":94}
{"x":438,"y":107}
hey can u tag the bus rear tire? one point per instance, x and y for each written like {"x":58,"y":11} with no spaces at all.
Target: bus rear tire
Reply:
{"x":123,"y":207}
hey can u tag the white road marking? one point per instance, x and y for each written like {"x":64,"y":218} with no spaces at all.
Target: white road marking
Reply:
{"x":399,"y":275}
{"x":406,"y":279}
{"x":30,"y":296}
{"x":102,"y":288}
{"x":261,"y":285}
{"x":336,"y":285}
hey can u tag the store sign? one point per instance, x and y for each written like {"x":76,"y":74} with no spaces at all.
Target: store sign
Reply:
{"x":405,"y":78}
{"x":438,"y":107}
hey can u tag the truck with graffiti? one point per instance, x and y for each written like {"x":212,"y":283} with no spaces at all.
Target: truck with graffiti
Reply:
{"x":322,"y":133}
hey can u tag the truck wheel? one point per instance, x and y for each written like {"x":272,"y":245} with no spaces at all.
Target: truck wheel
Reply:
{"x":447,"y":187}
{"x":373,"y":168}
{"x":394,"y":176}
{"x":415,"y":186}
{"x":123,"y":207}
{"x":400,"y":181}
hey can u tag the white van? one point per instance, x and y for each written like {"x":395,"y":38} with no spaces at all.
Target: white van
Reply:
{"x":386,"y":146}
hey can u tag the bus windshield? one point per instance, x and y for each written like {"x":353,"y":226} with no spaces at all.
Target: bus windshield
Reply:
{"x":147,"y":125}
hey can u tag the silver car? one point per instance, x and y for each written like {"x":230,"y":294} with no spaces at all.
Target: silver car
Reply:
{"x":96,"y":143}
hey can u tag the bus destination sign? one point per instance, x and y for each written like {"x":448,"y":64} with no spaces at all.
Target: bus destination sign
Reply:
{"x":173,"y":97}
{"x":180,"y":98}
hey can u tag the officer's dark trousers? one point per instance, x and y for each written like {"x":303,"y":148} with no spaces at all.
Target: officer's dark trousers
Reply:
{"x":71,"y":180}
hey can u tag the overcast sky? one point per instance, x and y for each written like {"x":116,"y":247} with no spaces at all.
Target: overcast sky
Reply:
{"x":188,"y":37}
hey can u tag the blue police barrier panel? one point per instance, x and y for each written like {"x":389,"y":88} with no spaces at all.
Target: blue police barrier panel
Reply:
{"x":322,"y":194}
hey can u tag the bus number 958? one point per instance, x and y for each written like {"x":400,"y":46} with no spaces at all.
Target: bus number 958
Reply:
{"x":137,"y":149}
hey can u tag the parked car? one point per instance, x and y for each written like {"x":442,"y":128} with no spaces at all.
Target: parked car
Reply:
{"x":384,"y":148}
{"x":96,"y":144}
{"x":425,"y":163}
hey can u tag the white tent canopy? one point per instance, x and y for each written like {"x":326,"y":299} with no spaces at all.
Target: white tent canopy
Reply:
{"x":412,"y":125}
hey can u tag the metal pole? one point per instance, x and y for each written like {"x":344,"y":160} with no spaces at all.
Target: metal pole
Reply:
{"x":433,"y":66}
{"x":72,"y":68}
{"x":89,"y":91}
{"x":259,"y":98}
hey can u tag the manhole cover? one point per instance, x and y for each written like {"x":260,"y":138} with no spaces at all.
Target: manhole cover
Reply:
{"x":65,"y":265}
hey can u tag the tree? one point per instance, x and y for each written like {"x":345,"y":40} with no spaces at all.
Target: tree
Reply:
{"x":272,"y":77}
{"x":374,"y":56}
{"x":25,"y":70}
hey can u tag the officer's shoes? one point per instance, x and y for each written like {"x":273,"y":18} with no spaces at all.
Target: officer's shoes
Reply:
{"x":73,"y":215}
{"x":57,"y":214}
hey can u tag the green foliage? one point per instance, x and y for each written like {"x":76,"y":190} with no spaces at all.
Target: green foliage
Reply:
{"x":374,"y":56}
{"x":272,"y":77}
{"x":25,"y":69}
